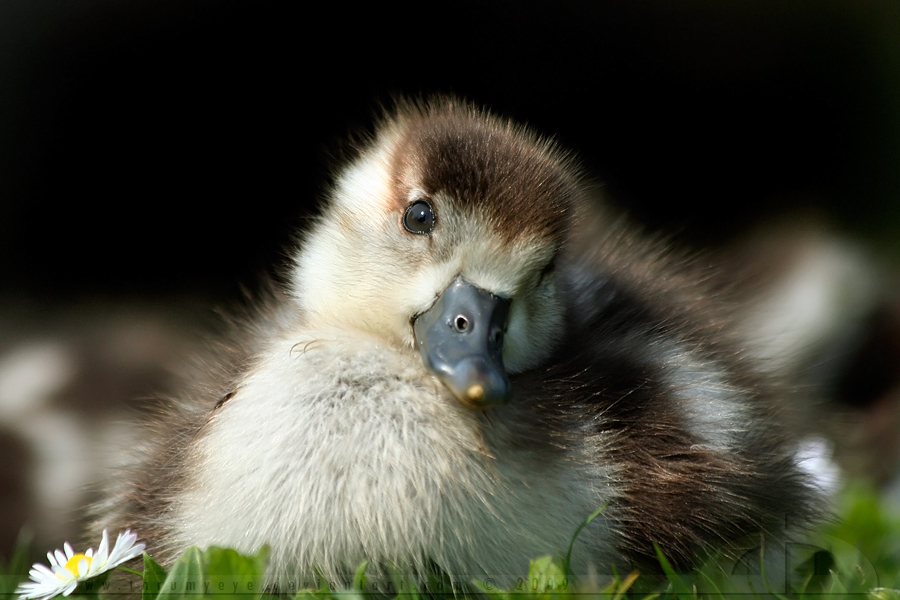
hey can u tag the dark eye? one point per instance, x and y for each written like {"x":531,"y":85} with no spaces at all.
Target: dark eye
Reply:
{"x":419,"y":218}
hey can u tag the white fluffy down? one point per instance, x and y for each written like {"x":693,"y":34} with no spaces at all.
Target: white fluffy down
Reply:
{"x":342,"y":449}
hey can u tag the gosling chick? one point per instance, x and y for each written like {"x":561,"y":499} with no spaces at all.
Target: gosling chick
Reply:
{"x":471,"y":357}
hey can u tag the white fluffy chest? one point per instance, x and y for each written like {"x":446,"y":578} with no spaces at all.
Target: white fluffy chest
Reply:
{"x":348,"y":450}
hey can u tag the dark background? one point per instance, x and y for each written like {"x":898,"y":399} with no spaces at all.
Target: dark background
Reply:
{"x":159,"y":147}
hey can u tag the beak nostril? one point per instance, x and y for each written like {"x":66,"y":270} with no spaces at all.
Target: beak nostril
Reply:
{"x":461,"y":323}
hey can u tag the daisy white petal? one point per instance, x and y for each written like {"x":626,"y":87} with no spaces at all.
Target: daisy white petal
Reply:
{"x":36,"y":591}
{"x":125,"y":549}
{"x":38,"y":570}
{"x":60,"y":572}
{"x":103,"y":549}
{"x":83,"y":567}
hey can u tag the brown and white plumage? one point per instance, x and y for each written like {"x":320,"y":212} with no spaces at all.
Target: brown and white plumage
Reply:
{"x":331,"y":437}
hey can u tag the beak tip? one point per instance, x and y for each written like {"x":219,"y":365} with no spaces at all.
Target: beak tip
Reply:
{"x":475,"y":392}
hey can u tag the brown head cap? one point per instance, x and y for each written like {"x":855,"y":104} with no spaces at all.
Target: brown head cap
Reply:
{"x":522,"y":184}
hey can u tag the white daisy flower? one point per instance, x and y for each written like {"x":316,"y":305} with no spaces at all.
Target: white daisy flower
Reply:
{"x":68,"y":569}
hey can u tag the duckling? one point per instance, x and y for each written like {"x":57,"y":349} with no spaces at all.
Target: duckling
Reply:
{"x":470,"y":358}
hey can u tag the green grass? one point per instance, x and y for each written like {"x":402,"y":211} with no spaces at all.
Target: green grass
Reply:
{"x":857,"y":556}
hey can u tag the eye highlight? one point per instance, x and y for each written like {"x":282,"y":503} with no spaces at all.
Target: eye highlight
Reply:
{"x":419,"y":218}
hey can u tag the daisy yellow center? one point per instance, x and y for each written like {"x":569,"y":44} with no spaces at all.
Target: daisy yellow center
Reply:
{"x":72,"y":564}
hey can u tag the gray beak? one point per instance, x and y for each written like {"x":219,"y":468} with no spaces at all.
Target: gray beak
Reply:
{"x":461,"y":341}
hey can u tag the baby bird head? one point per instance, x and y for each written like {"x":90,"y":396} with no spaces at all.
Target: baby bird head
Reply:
{"x":442,"y":236}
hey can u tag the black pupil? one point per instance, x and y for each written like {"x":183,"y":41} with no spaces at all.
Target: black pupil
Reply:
{"x":419,"y":218}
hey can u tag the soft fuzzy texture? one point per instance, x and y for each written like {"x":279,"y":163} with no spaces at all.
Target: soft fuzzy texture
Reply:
{"x":321,"y":433}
